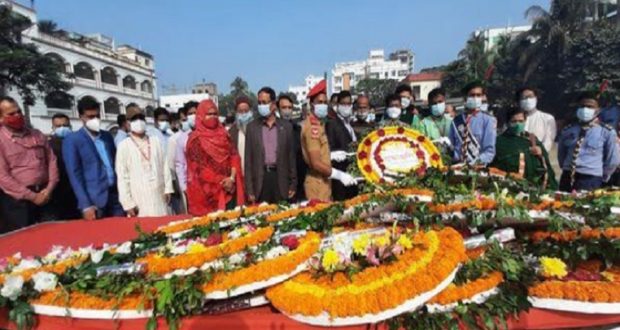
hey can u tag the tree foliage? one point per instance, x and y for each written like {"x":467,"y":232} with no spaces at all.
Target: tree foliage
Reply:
{"x":377,"y":90}
{"x":21,"y":65}
{"x":564,"y":52}
{"x":238,"y":87}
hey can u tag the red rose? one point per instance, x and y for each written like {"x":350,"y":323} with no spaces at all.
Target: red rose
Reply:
{"x":400,"y":130}
{"x":314,"y":202}
{"x":214,"y":239}
{"x":381,"y":132}
{"x":362,"y":155}
{"x":367,"y":168}
{"x":435,"y":157}
{"x":421,"y":138}
{"x":367,"y":142}
{"x":382,"y":167}
{"x":420,"y":154}
{"x":291,"y":242}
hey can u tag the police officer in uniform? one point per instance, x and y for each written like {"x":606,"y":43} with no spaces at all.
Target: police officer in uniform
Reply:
{"x":473,"y":133}
{"x":587,"y":150}
{"x":315,"y":149}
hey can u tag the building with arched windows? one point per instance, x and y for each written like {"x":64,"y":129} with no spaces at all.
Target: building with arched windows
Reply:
{"x":113,"y":75}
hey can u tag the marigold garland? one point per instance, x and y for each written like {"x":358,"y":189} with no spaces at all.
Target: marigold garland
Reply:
{"x":293,"y":212}
{"x":433,"y":257}
{"x":57,"y":268}
{"x":76,"y":299}
{"x":217,"y":216}
{"x":455,"y":293}
{"x":161,"y":265}
{"x":590,"y":291}
{"x":359,"y":199}
{"x":571,"y":235}
{"x":266,"y":269}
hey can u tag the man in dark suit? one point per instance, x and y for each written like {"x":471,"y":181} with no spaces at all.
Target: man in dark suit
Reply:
{"x":285,"y":107}
{"x":89,"y":158}
{"x":270,"y":168}
{"x":63,"y":199}
{"x":340,"y":136}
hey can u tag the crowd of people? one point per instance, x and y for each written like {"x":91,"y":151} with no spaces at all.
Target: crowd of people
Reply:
{"x":193,"y":162}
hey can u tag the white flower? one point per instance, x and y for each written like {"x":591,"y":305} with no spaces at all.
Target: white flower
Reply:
{"x":54,"y":254}
{"x":96,"y":255}
{"x":26,"y":264}
{"x":124,"y":248}
{"x":236,"y":258}
{"x":179,"y":249}
{"x":12,"y":287}
{"x":44,"y":281}
{"x":275,"y":252}
{"x":17,"y":255}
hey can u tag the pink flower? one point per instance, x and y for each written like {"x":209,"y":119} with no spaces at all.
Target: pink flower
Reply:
{"x":371,"y":257}
{"x":251,"y":227}
{"x":397,"y":249}
{"x":291,"y":242}
{"x":214,"y":239}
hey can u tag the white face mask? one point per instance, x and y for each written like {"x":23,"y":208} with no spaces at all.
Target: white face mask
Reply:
{"x":405,"y":101}
{"x":185,"y":126}
{"x":393,"y":112}
{"x":163,"y":126}
{"x":528,"y":104}
{"x":473,"y":103}
{"x":191,"y":119}
{"x":264,"y":110}
{"x":484,"y":107}
{"x":345,"y":110}
{"x":138,"y":126}
{"x":94,"y":124}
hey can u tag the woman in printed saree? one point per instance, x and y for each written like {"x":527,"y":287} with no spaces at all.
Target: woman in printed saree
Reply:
{"x":522,"y":155}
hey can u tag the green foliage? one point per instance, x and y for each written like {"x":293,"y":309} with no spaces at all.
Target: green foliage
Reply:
{"x":376,"y":89}
{"x":238,"y":87}
{"x":23,"y":67}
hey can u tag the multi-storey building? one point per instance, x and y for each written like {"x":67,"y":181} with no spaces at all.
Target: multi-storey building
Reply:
{"x":301,"y":91}
{"x":346,"y":75}
{"x":113,"y":75}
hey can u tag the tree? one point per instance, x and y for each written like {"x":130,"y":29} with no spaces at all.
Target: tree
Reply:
{"x":377,"y":90}
{"x":238,"y":87}
{"x":472,"y":64}
{"x":21,"y":65}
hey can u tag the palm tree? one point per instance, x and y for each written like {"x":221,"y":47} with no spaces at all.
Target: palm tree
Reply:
{"x":551,"y":32}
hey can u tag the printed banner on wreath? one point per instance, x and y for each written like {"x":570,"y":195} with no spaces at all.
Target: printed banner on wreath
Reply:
{"x":390,"y":152}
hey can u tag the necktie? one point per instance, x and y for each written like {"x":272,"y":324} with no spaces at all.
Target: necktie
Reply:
{"x":470,"y":150}
{"x":580,"y":139}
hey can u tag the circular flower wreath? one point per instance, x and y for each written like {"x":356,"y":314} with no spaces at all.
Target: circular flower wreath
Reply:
{"x":371,"y":150}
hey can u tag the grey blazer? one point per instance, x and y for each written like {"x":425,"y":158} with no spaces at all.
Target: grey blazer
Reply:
{"x":255,"y":158}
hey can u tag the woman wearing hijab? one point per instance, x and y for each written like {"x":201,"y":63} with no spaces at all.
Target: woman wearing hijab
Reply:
{"x":214,"y":179}
{"x":520,"y":152}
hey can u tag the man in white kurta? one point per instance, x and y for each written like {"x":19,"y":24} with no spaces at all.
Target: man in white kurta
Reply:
{"x":144,"y":179}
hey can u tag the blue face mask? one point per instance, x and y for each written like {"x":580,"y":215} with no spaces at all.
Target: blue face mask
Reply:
{"x":244,"y":118}
{"x":264,"y":110}
{"x":320,"y":110}
{"x":185,"y":126}
{"x":62,"y":131}
{"x":438,"y":109}
{"x":585,"y":114}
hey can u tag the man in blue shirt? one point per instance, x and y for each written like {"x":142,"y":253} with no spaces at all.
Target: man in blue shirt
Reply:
{"x":89,"y":158}
{"x":587,"y":149}
{"x":123,"y":129}
{"x":473,"y":133}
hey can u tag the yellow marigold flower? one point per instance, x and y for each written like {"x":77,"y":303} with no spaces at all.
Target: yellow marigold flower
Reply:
{"x":553,"y":267}
{"x":405,"y":242}
{"x":360,"y":244}
{"x":330,"y":260}
{"x":195,"y":248}
{"x":382,"y":241}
